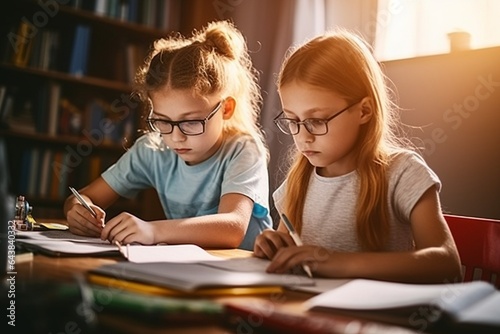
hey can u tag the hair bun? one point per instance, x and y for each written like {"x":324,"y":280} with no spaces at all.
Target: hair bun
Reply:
{"x":223,"y":38}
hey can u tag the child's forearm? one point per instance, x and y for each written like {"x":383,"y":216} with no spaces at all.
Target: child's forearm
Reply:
{"x":223,"y":230}
{"x":429,"y":265}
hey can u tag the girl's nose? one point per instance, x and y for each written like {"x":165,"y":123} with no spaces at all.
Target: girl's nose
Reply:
{"x":304,"y":136}
{"x":177,"y":135}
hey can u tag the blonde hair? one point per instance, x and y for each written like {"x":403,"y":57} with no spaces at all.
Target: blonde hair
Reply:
{"x":214,"y":60}
{"x":342,"y":62}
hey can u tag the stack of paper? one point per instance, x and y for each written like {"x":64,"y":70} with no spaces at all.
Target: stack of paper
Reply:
{"x":470,"y":307}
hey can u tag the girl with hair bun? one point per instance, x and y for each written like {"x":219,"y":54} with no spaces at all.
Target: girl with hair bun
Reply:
{"x":204,"y":152}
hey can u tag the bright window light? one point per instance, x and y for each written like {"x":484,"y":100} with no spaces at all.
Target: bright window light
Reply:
{"x":411,"y":28}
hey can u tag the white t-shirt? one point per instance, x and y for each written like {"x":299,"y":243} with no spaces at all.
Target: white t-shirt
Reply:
{"x":329,"y":218}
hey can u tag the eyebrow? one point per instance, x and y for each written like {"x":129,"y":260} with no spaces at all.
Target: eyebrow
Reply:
{"x":309,"y":111}
{"x":187,"y":114}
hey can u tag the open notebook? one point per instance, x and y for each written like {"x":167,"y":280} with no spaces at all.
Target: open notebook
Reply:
{"x":64,"y":243}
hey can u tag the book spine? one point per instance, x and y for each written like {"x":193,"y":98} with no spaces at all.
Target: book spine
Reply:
{"x":25,"y":171}
{"x":100,"y":7}
{"x":65,"y":171}
{"x":24,"y":43}
{"x":3,"y":91}
{"x":132,"y":11}
{"x":45,"y":173}
{"x":33,"y":174}
{"x":79,"y":54}
{"x":53,"y":108}
{"x":85,"y":50}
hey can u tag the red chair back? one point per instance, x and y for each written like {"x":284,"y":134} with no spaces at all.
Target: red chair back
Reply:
{"x":478,"y":243}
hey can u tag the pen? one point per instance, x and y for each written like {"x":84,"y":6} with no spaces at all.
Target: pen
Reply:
{"x":296,"y":239}
{"x":125,"y":252}
{"x":82,"y":201}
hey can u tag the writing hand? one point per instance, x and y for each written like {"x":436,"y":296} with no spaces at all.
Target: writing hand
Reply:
{"x":269,"y":242}
{"x":126,"y":228}
{"x":82,"y":222}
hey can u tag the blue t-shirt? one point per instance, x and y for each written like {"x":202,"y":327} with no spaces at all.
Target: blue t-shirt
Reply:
{"x":189,"y":191}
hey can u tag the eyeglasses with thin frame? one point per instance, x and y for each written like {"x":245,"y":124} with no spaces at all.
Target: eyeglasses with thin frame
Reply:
{"x":315,"y":126}
{"x":191,"y":127}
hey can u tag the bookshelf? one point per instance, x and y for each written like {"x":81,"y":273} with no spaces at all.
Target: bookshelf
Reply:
{"x":66,"y":112}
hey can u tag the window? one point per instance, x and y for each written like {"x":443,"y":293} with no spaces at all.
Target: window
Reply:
{"x":410,"y":28}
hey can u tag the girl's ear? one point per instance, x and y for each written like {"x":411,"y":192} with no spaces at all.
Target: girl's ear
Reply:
{"x":366,"y":110}
{"x":228,"y":107}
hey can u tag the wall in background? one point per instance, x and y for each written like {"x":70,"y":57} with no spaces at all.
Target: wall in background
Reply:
{"x":453,"y":100}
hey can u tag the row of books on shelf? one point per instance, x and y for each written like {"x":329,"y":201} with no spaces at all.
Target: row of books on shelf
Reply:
{"x":46,"y":111}
{"x":158,"y":14}
{"x":47,"y":173}
{"x":48,"y":49}
{"x":67,"y":52}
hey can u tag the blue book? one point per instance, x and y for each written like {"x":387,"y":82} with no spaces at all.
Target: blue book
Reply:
{"x":132,"y":11}
{"x":76,"y":53}
{"x":79,"y":54}
{"x":85,"y":49}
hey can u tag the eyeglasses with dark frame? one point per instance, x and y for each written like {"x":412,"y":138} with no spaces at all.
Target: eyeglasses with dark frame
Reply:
{"x":315,"y":126}
{"x":191,"y":127}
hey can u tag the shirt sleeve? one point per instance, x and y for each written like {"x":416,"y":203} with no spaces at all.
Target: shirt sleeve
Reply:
{"x":410,"y":179}
{"x":131,"y":173}
{"x":247,"y":173}
{"x":279,"y":196}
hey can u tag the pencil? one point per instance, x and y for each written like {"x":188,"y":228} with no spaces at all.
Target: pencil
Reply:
{"x":296,"y":239}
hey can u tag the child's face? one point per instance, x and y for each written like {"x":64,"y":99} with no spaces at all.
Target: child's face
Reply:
{"x":182,"y":105}
{"x":333,"y":152}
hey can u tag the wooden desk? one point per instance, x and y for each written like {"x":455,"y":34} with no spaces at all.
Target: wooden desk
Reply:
{"x":63,"y":269}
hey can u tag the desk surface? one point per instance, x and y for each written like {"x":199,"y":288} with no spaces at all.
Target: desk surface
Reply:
{"x":63,"y":269}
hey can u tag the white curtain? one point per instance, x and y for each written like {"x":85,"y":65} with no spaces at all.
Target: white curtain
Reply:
{"x":359,"y":16}
{"x":313,"y":17}
{"x":410,"y":28}
{"x":309,"y":19}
